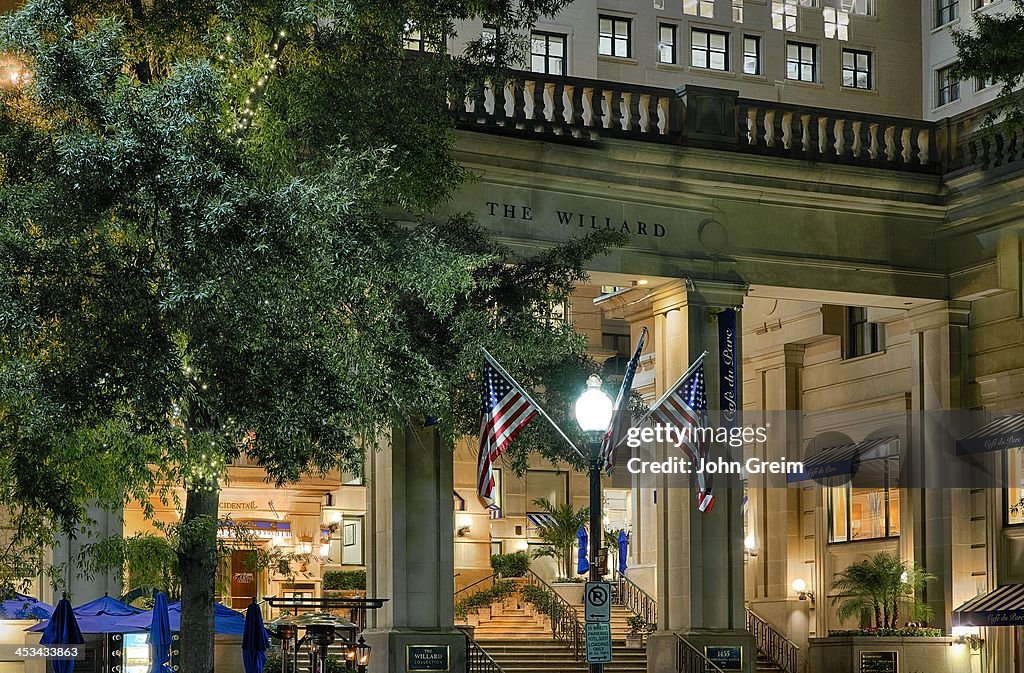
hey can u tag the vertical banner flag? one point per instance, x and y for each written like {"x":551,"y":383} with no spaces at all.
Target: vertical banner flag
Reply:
{"x":729,"y":402}
{"x":505,"y":411}
{"x":621,"y":417}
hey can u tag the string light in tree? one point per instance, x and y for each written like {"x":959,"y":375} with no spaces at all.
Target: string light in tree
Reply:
{"x":257,"y":91}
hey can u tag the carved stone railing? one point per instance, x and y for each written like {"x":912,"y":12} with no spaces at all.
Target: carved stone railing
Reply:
{"x":777,"y":647}
{"x":583,"y":110}
{"x":691,"y":660}
{"x":569,"y":107}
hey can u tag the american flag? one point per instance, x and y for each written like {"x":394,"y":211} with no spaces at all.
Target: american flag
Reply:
{"x":621,"y":418}
{"x":686,"y":408}
{"x":505,"y":411}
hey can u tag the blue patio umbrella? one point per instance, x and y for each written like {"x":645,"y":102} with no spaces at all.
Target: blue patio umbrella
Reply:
{"x":102,"y":615}
{"x":623,"y":551}
{"x":62,"y":630}
{"x":226,"y":622}
{"x":160,"y":636}
{"x":254,"y":640}
{"x":582,"y":565}
{"x":21,"y":606}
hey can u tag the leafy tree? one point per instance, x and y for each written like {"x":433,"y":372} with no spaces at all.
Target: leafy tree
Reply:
{"x":878,"y":587}
{"x":994,"y":51}
{"x":196,"y":262}
{"x":559,"y":536}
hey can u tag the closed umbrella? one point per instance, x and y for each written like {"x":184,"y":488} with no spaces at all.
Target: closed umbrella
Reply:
{"x":160,"y":636}
{"x":582,"y":565}
{"x":623,"y":551}
{"x":21,"y":606}
{"x":62,"y":630}
{"x":254,"y":640}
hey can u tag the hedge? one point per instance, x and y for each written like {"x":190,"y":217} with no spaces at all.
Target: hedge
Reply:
{"x":340,"y":580}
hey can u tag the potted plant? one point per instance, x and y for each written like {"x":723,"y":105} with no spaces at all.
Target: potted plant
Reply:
{"x":639,"y":628}
{"x":559,"y":537}
{"x":875,"y":589}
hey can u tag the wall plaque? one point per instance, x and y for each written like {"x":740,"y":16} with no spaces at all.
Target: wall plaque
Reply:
{"x":726,"y":657}
{"x":426,"y":658}
{"x":878,"y":662}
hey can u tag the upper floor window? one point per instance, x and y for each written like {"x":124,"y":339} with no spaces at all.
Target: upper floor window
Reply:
{"x":416,"y":40}
{"x":856,"y":513}
{"x":1015,"y":487}
{"x":978,"y":4}
{"x":737,"y":11}
{"x":856,"y":69}
{"x":801,"y":62}
{"x":947,"y":86}
{"x":709,"y":49}
{"x":547,"y":53}
{"x":862,"y":337}
{"x":615,"y":37}
{"x":667,"y":43}
{"x":837,"y":24}
{"x":784,"y":15}
{"x":946,"y":11}
{"x":859,"y":7}
{"x":983,"y":83}
{"x":752,"y":55}
{"x":705,"y":8}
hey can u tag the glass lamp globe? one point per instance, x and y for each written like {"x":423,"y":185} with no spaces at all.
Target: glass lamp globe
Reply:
{"x":594,"y":407}
{"x":799,"y":585}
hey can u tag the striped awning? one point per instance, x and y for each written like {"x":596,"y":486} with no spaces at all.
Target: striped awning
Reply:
{"x":843,"y":459}
{"x":1003,"y":606}
{"x":1003,"y":433}
{"x":539,"y":519}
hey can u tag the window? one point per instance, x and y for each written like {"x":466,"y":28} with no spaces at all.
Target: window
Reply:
{"x":709,"y":49}
{"x":784,"y":15}
{"x":497,"y":488}
{"x":495,"y":547}
{"x":614,"y":38}
{"x":737,"y":11}
{"x":862,"y":337}
{"x":705,"y":8}
{"x":978,"y":4}
{"x":416,"y":41}
{"x":547,"y":53}
{"x":837,"y":24}
{"x":1015,"y":487}
{"x":856,"y":69}
{"x":857,"y":7}
{"x":981,"y":84}
{"x":752,"y":55}
{"x":946,"y":11}
{"x":666,"y":43}
{"x":801,"y":61}
{"x":615,"y":342}
{"x":551,"y":486}
{"x":489,"y":38}
{"x":865,"y":513}
{"x":947,"y":86}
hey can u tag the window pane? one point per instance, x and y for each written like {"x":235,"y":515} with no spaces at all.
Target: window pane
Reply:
{"x":718,"y":41}
{"x":792,"y":51}
{"x":700,"y":38}
{"x":894,"y":511}
{"x":352,"y":540}
{"x":537,"y":63}
{"x":556,"y":46}
{"x":667,"y":34}
{"x":750,"y":65}
{"x":537,"y":45}
{"x":717,"y":60}
{"x":848,"y":59}
{"x":555,"y":65}
{"x":862,"y":62}
{"x":699,"y":58}
{"x":862,"y":80}
{"x":807,"y":73}
{"x":606,"y":26}
{"x":604,"y":45}
{"x":867,"y":513}
{"x":837,"y":502}
{"x":847,"y":78}
{"x":621,"y":48}
{"x":792,"y":70}
{"x":1015,"y":483}
{"x":665,"y":53}
{"x":621,"y":29}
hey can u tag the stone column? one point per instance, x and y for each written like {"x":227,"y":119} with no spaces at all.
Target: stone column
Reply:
{"x":700,"y":555}
{"x":411,"y":543}
{"x":941,"y":519}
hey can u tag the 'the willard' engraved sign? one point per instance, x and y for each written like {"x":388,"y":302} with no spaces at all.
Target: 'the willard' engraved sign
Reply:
{"x":575,"y":219}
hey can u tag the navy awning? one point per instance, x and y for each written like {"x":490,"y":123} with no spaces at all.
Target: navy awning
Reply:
{"x":843,"y":459}
{"x":1003,"y":433}
{"x":540,"y":519}
{"x":1003,"y":606}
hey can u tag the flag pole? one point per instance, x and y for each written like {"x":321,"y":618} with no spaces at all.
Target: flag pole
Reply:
{"x":529,"y":399}
{"x":669,"y":391}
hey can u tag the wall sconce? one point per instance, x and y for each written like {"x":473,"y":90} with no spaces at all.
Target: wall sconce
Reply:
{"x":305,"y":545}
{"x":521,"y":545}
{"x":967,"y":635}
{"x":802,"y":592}
{"x":462,"y":524}
{"x":750,"y":544}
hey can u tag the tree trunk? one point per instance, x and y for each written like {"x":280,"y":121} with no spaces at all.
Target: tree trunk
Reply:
{"x":198,"y":560}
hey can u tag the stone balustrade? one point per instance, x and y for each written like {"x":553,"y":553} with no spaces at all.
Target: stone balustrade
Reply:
{"x":576,"y":109}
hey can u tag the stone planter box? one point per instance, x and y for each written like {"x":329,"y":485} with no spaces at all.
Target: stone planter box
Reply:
{"x":571,"y":592}
{"x":843,"y":654}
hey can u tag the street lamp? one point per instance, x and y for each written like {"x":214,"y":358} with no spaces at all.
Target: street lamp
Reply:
{"x":362,"y":655}
{"x":594,"y":413}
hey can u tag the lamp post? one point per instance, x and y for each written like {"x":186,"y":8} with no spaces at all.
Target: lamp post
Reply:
{"x":594,"y":413}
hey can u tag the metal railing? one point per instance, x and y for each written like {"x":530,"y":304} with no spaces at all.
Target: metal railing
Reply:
{"x":779,"y":649}
{"x":632,"y":597}
{"x":479,"y":585}
{"x":477,"y":659}
{"x":691,"y":660}
{"x":564,"y":618}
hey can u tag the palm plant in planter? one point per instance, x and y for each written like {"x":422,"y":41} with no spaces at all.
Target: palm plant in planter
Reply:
{"x":877,"y":588}
{"x":559,"y":536}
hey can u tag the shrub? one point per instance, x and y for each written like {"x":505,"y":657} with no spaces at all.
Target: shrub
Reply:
{"x":911,"y":632}
{"x":539,"y":598}
{"x":638,"y":626}
{"x":511,"y":565}
{"x":341,"y":580}
{"x":499,"y":591}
